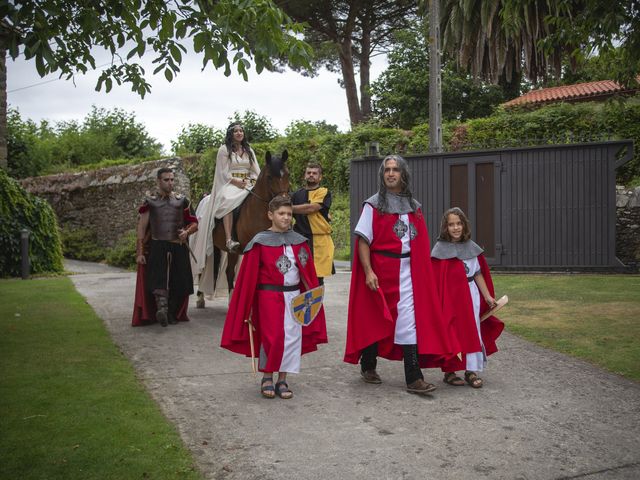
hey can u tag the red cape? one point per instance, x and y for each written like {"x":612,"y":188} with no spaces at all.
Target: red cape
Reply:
{"x":244,"y":303}
{"x":457,"y":306}
{"x":370,"y":317}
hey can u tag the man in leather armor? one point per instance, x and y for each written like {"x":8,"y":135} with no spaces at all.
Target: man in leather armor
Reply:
{"x":165,"y":216}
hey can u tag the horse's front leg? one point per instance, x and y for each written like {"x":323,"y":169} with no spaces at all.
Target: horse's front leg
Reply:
{"x":232,"y":261}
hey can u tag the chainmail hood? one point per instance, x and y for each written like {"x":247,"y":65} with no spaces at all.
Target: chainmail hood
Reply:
{"x":444,"y":250}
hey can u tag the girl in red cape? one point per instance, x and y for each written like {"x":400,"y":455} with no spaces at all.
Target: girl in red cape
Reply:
{"x":463,"y":277}
{"x":277,"y":264}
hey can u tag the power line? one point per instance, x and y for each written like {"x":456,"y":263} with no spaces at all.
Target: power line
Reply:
{"x":49,"y":81}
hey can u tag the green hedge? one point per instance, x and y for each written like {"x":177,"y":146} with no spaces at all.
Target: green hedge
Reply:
{"x":562,"y":123}
{"x":81,"y":244}
{"x":18,"y":210}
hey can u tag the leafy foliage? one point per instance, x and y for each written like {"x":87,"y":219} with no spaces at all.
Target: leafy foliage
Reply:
{"x":127,"y":137}
{"x":497,"y":40}
{"x":345,"y":36}
{"x":401,"y":93}
{"x":21,"y":210}
{"x":257,"y":128}
{"x":123,"y":254}
{"x":340,"y":223}
{"x":200,"y":169}
{"x":103,"y":135}
{"x":197,"y":138}
{"x":27,"y":155}
{"x":561,"y":123}
{"x":598,"y":26}
{"x":59,"y":36}
{"x":81,"y":244}
{"x":305,"y":129}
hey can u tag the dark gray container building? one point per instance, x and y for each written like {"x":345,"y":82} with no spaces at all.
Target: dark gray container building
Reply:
{"x":535,"y":208}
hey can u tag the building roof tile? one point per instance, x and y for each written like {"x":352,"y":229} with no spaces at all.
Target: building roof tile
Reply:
{"x":579,"y":91}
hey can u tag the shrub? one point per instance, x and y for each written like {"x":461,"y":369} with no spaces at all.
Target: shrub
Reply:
{"x":200,"y":169}
{"x":103,"y":135}
{"x":123,"y":255}
{"x":81,"y":244}
{"x":341,"y":227}
{"x":21,"y":210}
{"x":197,"y":138}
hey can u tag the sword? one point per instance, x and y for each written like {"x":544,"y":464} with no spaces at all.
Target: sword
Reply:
{"x":193,"y":257}
{"x":253,"y":355}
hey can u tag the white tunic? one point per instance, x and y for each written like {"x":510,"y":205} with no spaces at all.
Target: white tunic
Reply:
{"x":292,"y":351}
{"x":476,"y":361}
{"x":405,"y":332}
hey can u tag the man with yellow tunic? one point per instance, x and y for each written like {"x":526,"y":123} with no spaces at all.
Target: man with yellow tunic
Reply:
{"x":311,"y":211}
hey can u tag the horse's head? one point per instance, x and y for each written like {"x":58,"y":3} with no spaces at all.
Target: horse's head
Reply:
{"x":277,"y":173}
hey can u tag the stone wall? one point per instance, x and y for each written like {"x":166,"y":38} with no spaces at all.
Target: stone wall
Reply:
{"x":628,"y":226}
{"x":107,"y":200}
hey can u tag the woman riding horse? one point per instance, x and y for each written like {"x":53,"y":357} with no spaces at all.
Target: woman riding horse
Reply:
{"x":236,"y":172}
{"x":252,"y":218}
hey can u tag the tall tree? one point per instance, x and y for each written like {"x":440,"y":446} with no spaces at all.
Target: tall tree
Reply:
{"x":599,"y":28}
{"x":401,"y":92}
{"x":346,"y":34}
{"x":59,"y":36}
{"x":500,"y":40}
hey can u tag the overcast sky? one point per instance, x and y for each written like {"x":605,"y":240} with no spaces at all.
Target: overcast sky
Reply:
{"x":193,"y":97}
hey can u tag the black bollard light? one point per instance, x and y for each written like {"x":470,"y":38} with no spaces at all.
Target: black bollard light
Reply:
{"x":24,"y":247}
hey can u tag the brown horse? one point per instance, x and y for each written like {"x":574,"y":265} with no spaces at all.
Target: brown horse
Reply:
{"x":252,"y":217}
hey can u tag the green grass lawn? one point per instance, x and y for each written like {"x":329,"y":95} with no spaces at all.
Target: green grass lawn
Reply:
{"x":70,"y":404}
{"x":593,"y":317}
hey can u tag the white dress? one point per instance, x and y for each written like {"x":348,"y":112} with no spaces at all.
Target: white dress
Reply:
{"x":224,"y":198}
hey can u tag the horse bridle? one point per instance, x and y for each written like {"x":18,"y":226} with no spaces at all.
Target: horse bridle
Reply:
{"x":273,"y":194}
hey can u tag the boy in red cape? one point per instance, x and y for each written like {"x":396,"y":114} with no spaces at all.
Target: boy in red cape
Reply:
{"x":277,"y":264}
{"x":394,"y":310}
{"x":463,"y":276}
{"x":164,"y":280}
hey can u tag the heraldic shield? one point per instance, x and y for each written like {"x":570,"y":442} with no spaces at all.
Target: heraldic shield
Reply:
{"x":305,"y":307}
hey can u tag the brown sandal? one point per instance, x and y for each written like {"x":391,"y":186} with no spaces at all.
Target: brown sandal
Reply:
{"x":267,"y":391}
{"x":452,"y":379}
{"x":473,"y":379}
{"x":282,"y":390}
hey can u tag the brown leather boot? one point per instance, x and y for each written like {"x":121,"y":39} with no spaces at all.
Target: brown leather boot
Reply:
{"x":371,"y":376}
{"x":420,"y":387}
{"x":162,"y":312}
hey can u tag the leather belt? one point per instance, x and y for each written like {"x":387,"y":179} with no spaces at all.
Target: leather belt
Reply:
{"x":278,"y":288}
{"x":469,"y":279}
{"x":385,"y":253}
{"x":177,"y":240}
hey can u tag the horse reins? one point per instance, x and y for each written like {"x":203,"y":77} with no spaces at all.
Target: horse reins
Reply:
{"x":260,"y":198}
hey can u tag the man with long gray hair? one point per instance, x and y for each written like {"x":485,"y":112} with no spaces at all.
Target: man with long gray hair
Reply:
{"x":393,"y":304}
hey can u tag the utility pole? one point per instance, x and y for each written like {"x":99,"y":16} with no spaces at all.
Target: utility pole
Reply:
{"x":3,"y":98}
{"x":435,"y":86}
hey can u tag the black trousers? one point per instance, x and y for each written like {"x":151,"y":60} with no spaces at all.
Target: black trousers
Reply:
{"x":169,"y":268}
{"x":412,"y":372}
